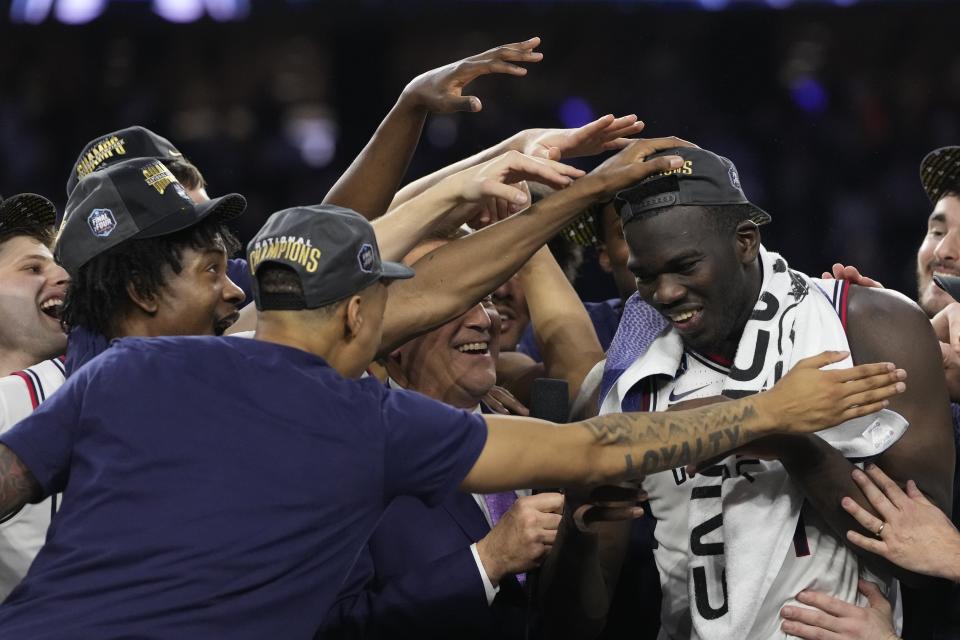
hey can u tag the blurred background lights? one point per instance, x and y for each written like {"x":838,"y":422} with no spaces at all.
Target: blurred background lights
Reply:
{"x":575,"y":112}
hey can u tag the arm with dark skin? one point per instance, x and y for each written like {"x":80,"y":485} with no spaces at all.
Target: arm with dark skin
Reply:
{"x":370,"y":182}
{"x":561,"y":324}
{"x":17,"y":484}
{"x":883,"y":324}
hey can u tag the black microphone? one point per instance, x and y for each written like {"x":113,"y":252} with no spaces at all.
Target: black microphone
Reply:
{"x":550,"y":400}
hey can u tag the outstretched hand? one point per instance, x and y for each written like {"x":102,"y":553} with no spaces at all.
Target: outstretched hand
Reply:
{"x":808,"y":399}
{"x":631,"y":165}
{"x":441,"y":90}
{"x":495,"y":189}
{"x":829,"y":617}
{"x":913,"y":532}
{"x":603,"y":134}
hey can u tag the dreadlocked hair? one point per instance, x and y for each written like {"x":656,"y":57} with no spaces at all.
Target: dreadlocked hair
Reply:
{"x":97,"y":298}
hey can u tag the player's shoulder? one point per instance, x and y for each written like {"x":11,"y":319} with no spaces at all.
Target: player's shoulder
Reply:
{"x":883,"y":325}
{"x":46,"y":374}
{"x":875,"y":307}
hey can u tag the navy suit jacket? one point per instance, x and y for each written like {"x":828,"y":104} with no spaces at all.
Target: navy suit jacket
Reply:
{"x":417,"y":578}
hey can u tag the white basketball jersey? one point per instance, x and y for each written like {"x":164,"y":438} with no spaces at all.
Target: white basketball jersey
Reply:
{"x":22,"y":534}
{"x":817,"y":560}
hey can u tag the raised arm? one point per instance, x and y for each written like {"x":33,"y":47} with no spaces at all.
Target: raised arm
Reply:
{"x":453,"y":201}
{"x":523,"y":452}
{"x":603,"y":134}
{"x":370,"y":182}
{"x":17,"y":484}
{"x":443,"y":288}
{"x":561,"y":324}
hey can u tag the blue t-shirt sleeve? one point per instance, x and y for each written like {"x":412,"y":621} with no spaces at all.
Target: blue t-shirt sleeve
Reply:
{"x":238,"y":272}
{"x":44,"y":440}
{"x":430,"y":447}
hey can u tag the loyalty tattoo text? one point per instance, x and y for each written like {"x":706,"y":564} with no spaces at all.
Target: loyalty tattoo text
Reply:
{"x":670,"y":440}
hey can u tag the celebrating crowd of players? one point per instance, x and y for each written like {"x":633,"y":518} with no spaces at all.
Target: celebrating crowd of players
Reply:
{"x":344,"y":466}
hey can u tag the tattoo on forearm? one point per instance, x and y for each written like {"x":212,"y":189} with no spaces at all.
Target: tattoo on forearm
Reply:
{"x":17,"y":484}
{"x":661,"y":441}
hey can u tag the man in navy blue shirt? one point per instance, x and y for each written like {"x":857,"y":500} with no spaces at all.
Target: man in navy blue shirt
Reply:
{"x":201,"y":504}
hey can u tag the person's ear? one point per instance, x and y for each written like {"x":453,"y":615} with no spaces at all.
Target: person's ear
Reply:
{"x":353,"y":317}
{"x":747,"y":241}
{"x":147,"y":303}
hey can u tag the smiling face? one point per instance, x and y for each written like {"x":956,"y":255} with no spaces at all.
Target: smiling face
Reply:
{"x":704,"y":280}
{"x":455,"y":363}
{"x":201,"y":299}
{"x":32,"y":289}
{"x":939,"y":253}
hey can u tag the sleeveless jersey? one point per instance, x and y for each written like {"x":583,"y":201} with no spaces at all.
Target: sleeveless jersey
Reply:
{"x":24,"y":532}
{"x":817,"y":559}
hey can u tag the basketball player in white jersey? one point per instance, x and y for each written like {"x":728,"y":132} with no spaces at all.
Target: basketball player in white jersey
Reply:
{"x":695,"y":251}
{"x":32,"y":288}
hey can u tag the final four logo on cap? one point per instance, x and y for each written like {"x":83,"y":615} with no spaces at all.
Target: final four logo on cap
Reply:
{"x":101,"y":222}
{"x":365,"y":258}
{"x":734,"y":177}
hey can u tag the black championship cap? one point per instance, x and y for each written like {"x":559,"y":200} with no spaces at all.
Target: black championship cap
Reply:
{"x":26,"y":211}
{"x":130,"y":200}
{"x":704,"y":179}
{"x":125,"y":144}
{"x":940,"y":172}
{"x":332,"y":250}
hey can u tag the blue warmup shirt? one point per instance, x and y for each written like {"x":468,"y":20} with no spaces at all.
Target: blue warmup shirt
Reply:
{"x":218,"y":488}
{"x":604,"y":315}
{"x":84,"y":345}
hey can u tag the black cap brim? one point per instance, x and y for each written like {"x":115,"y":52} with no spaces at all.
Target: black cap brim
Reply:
{"x":222,"y":209}
{"x":940,"y":172}
{"x":395,"y":271}
{"x":27,"y":211}
{"x":950,"y":284}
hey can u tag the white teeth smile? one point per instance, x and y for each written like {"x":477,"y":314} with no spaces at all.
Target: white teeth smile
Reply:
{"x":682,"y":317}
{"x":51,"y":303}
{"x":474,"y":347}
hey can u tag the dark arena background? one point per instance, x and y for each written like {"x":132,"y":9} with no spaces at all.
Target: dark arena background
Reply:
{"x":826,"y":107}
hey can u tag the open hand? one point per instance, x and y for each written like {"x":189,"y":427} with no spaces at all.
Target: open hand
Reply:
{"x":809,"y":399}
{"x":441,"y":90}
{"x":630,"y":165}
{"x":914,"y":533}
{"x":495,"y":188}
{"x":603,"y":134}
{"x":838,"y":620}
